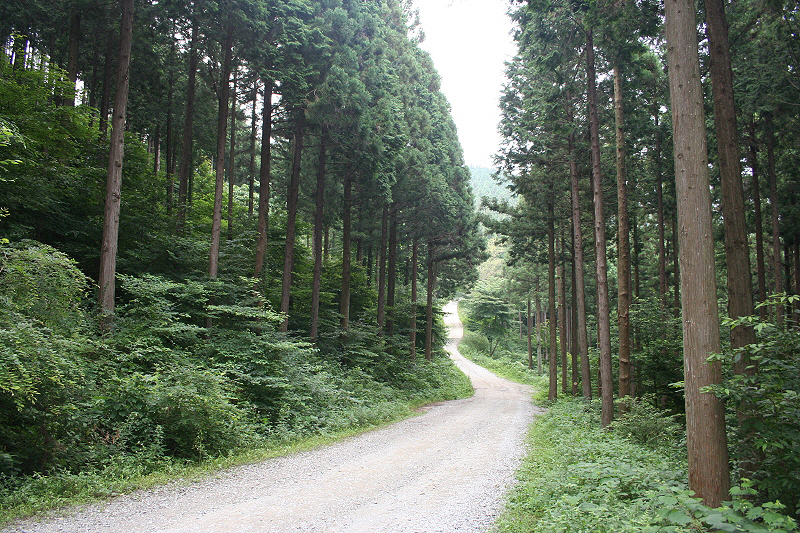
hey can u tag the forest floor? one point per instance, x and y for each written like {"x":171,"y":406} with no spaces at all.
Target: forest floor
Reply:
{"x":445,"y":470}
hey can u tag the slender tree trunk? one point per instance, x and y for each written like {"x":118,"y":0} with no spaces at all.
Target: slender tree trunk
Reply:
{"x":251,"y":168}
{"x":579,"y":288}
{"x":737,"y":251}
{"x":662,"y":249}
{"x":539,"y":320}
{"x":264,"y":178}
{"x":391,"y":281}
{"x":562,"y":319}
{"x":116,"y":153}
{"x":318,"y":230}
{"x":188,"y":132}
{"x":72,"y":56}
{"x":761,"y":271}
{"x":551,"y":297}
{"x":603,"y":314}
{"x":414,"y":274}
{"x":429,"y":305}
{"x":777,"y":269}
{"x":344,"y":303}
{"x":222,"y":123}
{"x":232,"y":156}
{"x":108,"y":76}
{"x":623,"y":244}
{"x":382,"y":269}
{"x":530,"y":340}
{"x":574,"y":348}
{"x":292,"y":196}
{"x":709,"y":475}
{"x":170,"y":141}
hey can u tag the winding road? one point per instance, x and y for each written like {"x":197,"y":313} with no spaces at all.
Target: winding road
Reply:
{"x":445,"y":470}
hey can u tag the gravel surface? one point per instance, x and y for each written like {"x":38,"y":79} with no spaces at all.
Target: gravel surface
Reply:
{"x":443,"y":471}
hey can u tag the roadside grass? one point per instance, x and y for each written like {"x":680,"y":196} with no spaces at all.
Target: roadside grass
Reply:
{"x":59,"y":491}
{"x":579,"y":478}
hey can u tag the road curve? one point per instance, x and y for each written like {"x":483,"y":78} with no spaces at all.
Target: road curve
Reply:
{"x":443,"y":471}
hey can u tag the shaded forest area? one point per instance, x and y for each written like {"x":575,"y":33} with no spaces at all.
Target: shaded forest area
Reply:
{"x":281,"y":199}
{"x":647,"y":287}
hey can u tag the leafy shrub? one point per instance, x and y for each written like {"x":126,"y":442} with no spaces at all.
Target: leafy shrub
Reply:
{"x":643,"y":423}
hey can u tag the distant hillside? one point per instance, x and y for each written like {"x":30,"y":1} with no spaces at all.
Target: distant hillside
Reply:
{"x":484,"y":185}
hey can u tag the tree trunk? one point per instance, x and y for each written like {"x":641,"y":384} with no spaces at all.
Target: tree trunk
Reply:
{"x":562,"y":319}
{"x":761,"y":274}
{"x":579,"y":288}
{"x":116,"y":153}
{"x":414,"y":274}
{"x":623,"y":244}
{"x":737,"y":251}
{"x":223,"y":96}
{"x":292,"y":195}
{"x":232,"y":157}
{"x":662,"y":248}
{"x":264,"y":178}
{"x":107,"y":81}
{"x":382,"y":268}
{"x":72,"y":56}
{"x":251,"y":168}
{"x":574,"y":348}
{"x":429,"y":305}
{"x":539,"y":320}
{"x":170,"y":142}
{"x":530,"y":340}
{"x":344,"y":302}
{"x":391,"y":281}
{"x":551,"y":297}
{"x":777,"y":269}
{"x":603,"y":314}
{"x":318,"y":230}
{"x":709,"y":475}
{"x":188,"y":127}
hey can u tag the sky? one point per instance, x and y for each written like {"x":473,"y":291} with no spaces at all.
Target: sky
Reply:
{"x":470,"y":41}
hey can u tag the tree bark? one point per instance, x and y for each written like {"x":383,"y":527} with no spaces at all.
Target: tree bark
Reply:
{"x":72,"y":56}
{"x":603,"y":314}
{"x":251,"y":168}
{"x":116,"y":154}
{"x":344,"y":302}
{"x":264,"y":178}
{"x":777,"y":268}
{"x":530,"y":340}
{"x":232,"y":157}
{"x":292,"y":195}
{"x":319,"y":221}
{"x":539,"y":320}
{"x":429,"y":305}
{"x":737,"y":251}
{"x":105,"y":99}
{"x":562,"y":319}
{"x":188,"y":132}
{"x":382,"y":269}
{"x":761,"y":271}
{"x":414,"y":274}
{"x":551,"y":297}
{"x":709,"y":475}
{"x":223,"y":96}
{"x":579,"y":288}
{"x":662,"y":248}
{"x":623,"y":243}
{"x":391,"y":281}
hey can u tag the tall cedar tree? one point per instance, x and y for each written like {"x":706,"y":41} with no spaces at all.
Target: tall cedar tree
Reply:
{"x":116,"y":153}
{"x":706,"y":441}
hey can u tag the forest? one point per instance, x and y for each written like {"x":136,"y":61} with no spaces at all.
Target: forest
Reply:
{"x":653,"y":252}
{"x":224,"y":224}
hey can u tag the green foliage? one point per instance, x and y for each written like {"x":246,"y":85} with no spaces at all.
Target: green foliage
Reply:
{"x":643,"y":423}
{"x":489,"y":314}
{"x":766,"y":438}
{"x":579,"y":477}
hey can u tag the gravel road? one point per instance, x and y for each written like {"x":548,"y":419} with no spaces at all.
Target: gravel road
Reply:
{"x":443,"y":471}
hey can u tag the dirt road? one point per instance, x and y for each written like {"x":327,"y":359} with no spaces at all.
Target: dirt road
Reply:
{"x":443,"y":471}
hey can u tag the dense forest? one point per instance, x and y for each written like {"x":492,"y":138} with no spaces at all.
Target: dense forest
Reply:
{"x":223,"y":222}
{"x":659,"y":248}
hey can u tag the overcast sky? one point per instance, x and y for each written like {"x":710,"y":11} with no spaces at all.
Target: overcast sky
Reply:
{"x":470,"y":41}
